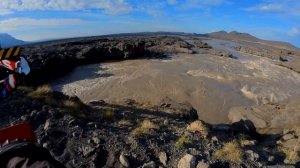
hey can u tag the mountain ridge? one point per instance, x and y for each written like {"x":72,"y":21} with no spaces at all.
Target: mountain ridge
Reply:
{"x":246,"y":37}
{"x":7,"y":40}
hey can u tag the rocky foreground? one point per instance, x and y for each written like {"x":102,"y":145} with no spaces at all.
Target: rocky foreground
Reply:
{"x":137,"y":135}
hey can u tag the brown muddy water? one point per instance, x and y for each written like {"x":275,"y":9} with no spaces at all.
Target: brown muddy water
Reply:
{"x":212,"y":84}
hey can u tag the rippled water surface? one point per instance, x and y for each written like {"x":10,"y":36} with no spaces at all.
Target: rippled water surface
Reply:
{"x":210,"y":83}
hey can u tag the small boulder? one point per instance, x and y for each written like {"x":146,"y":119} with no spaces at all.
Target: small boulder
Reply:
{"x":47,"y":125}
{"x":166,"y":122}
{"x":124,"y":161}
{"x":149,"y":165}
{"x":188,"y":161}
{"x":163,"y":158}
{"x":202,"y":164}
{"x":252,"y":155}
{"x":290,"y":140}
{"x":221,"y":127}
{"x":246,"y":127}
{"x":86,"y":150}
{"x":96,"y":140}
{"x":271,"y":159}
{"x":129,"y":102}
{"x":183,"y":110}
{"x":283,"y":58}
{"x":287,"y":137}
{"x":214,"y":139}
{"x":97,"y":103}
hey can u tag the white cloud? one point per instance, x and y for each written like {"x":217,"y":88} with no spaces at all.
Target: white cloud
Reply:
{"x":267,"y":8}
{"x":190,"y":4}
{"x":294,"y":32}
{"x":283,"y":7}
{"x":212,"y":2}
{"x":204,"y":2}
{"x":172,"y":2}
{"x":108,"y":6}
{"x":29,"y":23}
{"x":115,"y":7}
{"x":5,"y":12}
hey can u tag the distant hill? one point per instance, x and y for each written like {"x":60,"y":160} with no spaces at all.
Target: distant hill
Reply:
{"x":7,"y":40}
{"x":233,"y":36}
{"x":245,"y":37}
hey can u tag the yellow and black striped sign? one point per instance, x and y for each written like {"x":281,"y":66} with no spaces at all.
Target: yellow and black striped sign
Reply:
{"x":9,"y":53}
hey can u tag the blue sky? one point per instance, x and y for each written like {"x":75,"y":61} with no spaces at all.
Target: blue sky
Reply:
{"x":47,"y":19}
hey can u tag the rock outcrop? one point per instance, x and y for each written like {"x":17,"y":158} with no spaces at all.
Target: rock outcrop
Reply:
{"x":188,"y":161}
{"x":54,"y":59}
{"x":270,"y":118}
{"x":269,"y":52}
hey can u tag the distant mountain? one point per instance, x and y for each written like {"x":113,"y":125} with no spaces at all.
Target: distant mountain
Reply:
{"x":233,"y":36}
{"x":245,"y":37}
{"x":7,"y":40}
